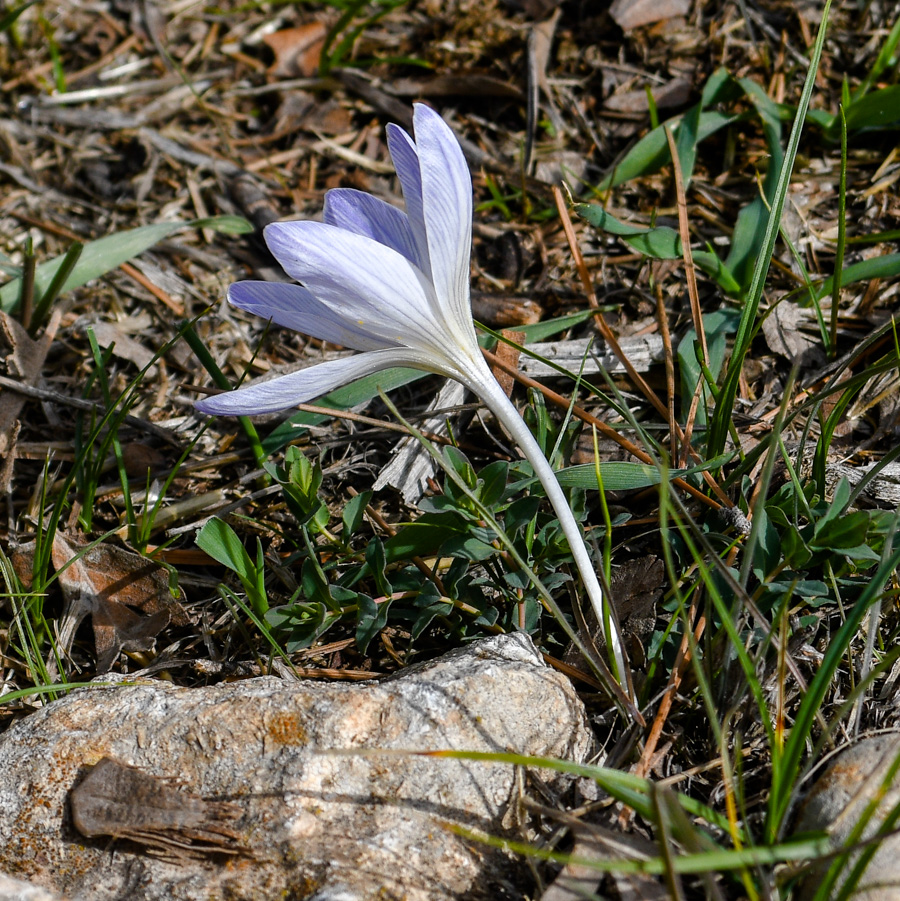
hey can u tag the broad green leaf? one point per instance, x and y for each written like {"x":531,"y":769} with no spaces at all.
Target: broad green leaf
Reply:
{"x":616,"y":475}
{"x":422,"y":539}
{"x":750,"y":228}
{"x":880,"y":109}
{"x":221,"y":542}
{"x":659,"y":243}
{"x":469,"y":547}
{"x":429,"y":604}
{"x":353,"y":514}
{"x":848,"y":531}
{"x":651,"y":153}
{"x":718,"y":326}
{"x":492,"y":482}
{"x":375,"y":558}
{"x":541,"y":331}
{"x":371,"y":619}
{"x":886,"y":266}
{"x":105,"y":254}
{"x":6,"y":21}
{"x":342,"y":399}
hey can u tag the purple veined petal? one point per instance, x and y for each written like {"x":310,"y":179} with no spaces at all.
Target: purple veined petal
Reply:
{"x":300,"y":387}
{"x":406,"y":161}
{"x":294,"y":307}
{"x":377,"y":289}
{"x":366,"y":215}
{"x":447,"y":204}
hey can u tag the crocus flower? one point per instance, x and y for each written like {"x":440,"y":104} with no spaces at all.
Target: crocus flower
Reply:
{"x":394,"y":285}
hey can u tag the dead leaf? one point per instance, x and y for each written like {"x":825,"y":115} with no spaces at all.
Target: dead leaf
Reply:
{"x":504,"y":310}
{"x":782,"y":331}
{"x":628,"y":14}
{"x":298,"y":51}
{"x":459,"y":84}
{"x":509,"y":355}
{"x":124,"y":802}
{"x":671,"y":94}
{"x":637,"y":587}
{"x":127,"y":597}
{"x":25,"y":362}
{"x":110,"y":334}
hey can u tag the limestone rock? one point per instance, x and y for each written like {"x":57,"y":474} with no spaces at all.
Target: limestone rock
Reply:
{"x":316,"y":824}
{"x":16,"y":890}
{"x":838,"y":800}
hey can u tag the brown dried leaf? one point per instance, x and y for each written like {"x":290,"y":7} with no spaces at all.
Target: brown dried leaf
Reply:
{"x":298,"y":51}
{"x":629,"y":14}
{"x":25,"y":362}
{"x":782,"y":331}
{"x":637,"y":587}
{"x":459,"y":84}
{"x":674,"y":93}
{"x":121,"y":801}
{"x":505,"y":310}
{"x":114,"y":587}
{"x":112,"y":334}
{"x":509,"y":355}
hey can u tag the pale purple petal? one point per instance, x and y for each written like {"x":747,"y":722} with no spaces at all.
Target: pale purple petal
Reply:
{"x":406,"y":161}
{"x":300,"y":387}
{"x":294,"y":307}
{"x":447,"y":202}
{"x":366,"y":215}
{"x":377,"y":289}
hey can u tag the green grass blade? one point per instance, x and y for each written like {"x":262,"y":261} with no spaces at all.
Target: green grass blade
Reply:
{"x":105,"y":254}
{"x":721,"y":419}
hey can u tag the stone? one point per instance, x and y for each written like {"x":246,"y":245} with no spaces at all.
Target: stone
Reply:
{"x":332,"y":807}
{"x":835,"y":805}
{"x":16,"y":890}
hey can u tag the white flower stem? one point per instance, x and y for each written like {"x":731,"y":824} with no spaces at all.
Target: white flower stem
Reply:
{"x":502,"y":407}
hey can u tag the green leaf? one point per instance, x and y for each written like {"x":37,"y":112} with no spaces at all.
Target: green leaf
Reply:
{"x":221,"y":542}
{"x":885,"y":266}
{"x":371,"y":619}
{"x":469,"y":547}
{"x":658,"y":243}
{"x":315,"y":585}
{"x":354,"y":513}
{"x":880,"y":109}
{"x":717,"y":326}
{"x":377,"y":561}
{"x":651,"y":152}
{"x":343,"y":398}
{"x":617,"y":476}
{"x":105,"y":254}
{"x":423,"y":537}
{"x":847,"y":531}
{"x":6,"y":21}
{"x":492,"y":482}
{"x":429,"y":604}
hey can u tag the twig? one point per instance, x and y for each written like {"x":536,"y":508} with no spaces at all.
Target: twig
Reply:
{"x":80,"y":403}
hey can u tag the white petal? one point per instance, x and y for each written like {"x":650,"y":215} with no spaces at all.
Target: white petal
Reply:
{"x":370,"y":285}
{"x":294,"y":307}
{"x":406,"y":161}
{"x":366,"y":215}
{"x":300,"y":387}
{"x":447,"y":203}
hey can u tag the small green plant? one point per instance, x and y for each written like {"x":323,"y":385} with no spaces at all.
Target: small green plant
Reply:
{"x":355,"y":17}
